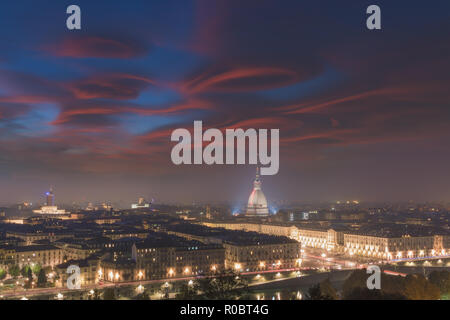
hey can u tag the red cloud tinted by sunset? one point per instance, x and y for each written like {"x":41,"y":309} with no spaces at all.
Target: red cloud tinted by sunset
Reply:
{"x":96,"y":47}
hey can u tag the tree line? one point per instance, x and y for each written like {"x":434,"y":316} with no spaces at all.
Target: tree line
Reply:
{"x":412,"y":287}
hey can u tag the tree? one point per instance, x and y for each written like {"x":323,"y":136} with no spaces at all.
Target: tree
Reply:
{"x":24,"y":271}
{"x":227,"y":285}
{"x":14,"y":271}
{"x":366,"y":294}
{"x":143,"y":296}
{"x":357,"y":279}
{"x":417,"y":287}
{"x":36,"y":269}
{"x":323,"y":291}
{"x":2,"y":274}
{"x":29,"y":282}
{"x":95,"y":295}
{"x":393,"y":285}
{"x":411,"y":287}
{"x":188,"y":291}
{"x":42,"y":279}
{"x":441,"y":279}
{"x":109,"y":294}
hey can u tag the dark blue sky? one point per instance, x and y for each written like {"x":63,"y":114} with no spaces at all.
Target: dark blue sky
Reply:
{"x":362,"y":114}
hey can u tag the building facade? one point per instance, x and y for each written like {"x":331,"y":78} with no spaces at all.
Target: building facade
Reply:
{"x":262,"y":257}
{"x":370,"y":244}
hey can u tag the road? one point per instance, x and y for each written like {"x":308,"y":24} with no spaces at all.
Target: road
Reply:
{"x":55,"y":291}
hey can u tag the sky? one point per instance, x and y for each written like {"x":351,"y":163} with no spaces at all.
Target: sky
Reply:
{"x":363,"y":114}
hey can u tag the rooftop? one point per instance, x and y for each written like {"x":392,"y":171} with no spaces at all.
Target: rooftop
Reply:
{"x":392,"y":230}
{"x":229,"y":236}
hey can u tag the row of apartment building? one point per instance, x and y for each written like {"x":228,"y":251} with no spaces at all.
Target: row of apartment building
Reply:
{"x":387,"y":242}
{"x":159,"y":256}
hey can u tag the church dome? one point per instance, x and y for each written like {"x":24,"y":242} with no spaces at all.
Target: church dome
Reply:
{"x":257,"y":202}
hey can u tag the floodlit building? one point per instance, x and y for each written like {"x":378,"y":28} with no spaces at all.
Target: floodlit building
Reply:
{"x":245,"y":251}
{"x":50,"y":208}
{"x":88,"y":272}
{"x":387,"y":242}
{"x":257,"y":203}
{"x":395,"y":245}
{"x":44,"y":255}
{"x":161,"y":256}
{"x":142,"y":204}
{"x":267,"y":254}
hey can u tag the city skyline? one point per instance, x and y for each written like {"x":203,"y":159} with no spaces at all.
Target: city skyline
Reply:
{"x":224,"y":155}
{"x":362,"y":114}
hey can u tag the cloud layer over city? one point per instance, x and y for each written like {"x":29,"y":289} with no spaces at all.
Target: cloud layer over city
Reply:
{"x":362,"y":114}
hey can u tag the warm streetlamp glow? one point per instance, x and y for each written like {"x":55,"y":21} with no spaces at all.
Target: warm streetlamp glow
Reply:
{"x":213,"y":267}
{"x":237,"y":266}
{"x":186,"y":270}
{"x":171,"y":272}
{"x":262,"y":264}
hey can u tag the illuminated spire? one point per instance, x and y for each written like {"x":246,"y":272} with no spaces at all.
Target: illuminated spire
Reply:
{"x":257,"y":203}
{"x":50,"y":197}
{"x":257,"y":182}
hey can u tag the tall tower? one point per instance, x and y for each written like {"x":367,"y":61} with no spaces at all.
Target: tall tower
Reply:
{"x":50,"y":198}
{"x":257,"y":203}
